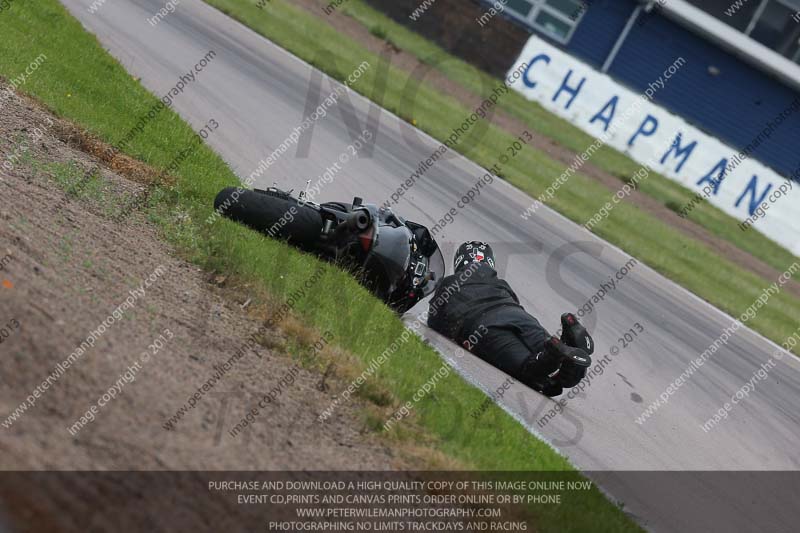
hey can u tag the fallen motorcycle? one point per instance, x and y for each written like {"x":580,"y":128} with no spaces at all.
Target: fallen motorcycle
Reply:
{"x":396,"y":259}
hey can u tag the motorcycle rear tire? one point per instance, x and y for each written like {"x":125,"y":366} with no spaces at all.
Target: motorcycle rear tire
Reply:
{"x":273,"y":213}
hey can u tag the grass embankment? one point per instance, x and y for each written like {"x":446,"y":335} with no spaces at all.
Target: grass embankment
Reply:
{"x":81,"y":82}
{"x":547,"y":124}
{"x":682,"y":259}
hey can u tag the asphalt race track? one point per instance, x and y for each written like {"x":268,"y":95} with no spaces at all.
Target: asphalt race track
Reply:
{"x":259,"y":93}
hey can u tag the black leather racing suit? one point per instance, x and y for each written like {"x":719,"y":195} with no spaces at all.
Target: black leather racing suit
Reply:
{"x":480,"y":312}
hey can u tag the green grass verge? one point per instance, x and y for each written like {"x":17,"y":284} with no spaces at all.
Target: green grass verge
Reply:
{"x":666,"y":191}
{"x":81,"y":82}
{"x":684,"y":260}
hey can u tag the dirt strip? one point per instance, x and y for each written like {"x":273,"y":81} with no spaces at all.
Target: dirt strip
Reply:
{"x":72,"y":261}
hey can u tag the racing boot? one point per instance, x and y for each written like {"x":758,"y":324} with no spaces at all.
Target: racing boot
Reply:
{"x":574,"y":369}
{"x":574,"y":334}
{"x":574,"y":363}
{"x":540,"y":371}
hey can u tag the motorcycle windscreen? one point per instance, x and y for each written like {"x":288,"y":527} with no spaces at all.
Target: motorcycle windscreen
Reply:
{"x":436,"y":267}
{"x":390,"y":256}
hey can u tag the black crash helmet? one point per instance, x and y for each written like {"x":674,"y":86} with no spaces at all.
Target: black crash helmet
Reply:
{"x":473,"y":252}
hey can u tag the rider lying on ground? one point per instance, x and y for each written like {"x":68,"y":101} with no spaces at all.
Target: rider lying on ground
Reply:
{"x":479,"y":311}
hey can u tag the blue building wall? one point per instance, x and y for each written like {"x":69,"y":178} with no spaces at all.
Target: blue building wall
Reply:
{"x":599,"y":29}
{"x":734,"y":105}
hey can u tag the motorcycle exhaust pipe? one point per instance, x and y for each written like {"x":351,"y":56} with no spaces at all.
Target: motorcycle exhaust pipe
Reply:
{"x":358,"y":220}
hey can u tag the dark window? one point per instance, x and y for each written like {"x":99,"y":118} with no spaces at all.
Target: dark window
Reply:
{"x":773,"y":23}
{"x":737,"y":16}
{"x":778,"y":29}
{"x":555,"y":18}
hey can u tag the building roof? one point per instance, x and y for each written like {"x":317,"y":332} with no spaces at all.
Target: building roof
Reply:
{"x":732,"y":40}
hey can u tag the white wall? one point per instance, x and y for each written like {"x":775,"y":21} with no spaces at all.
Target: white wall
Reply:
{"x":647,"y":133}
